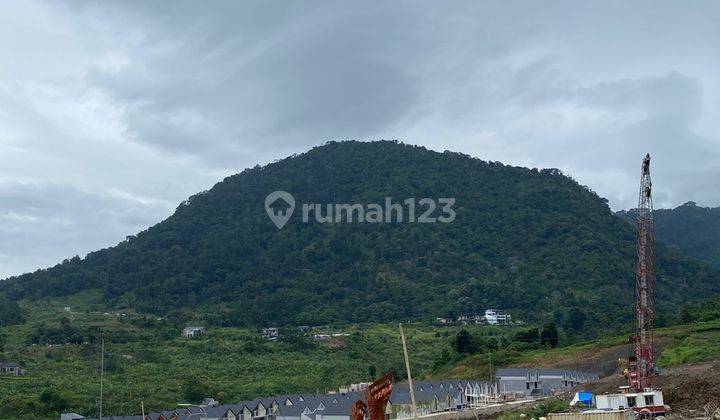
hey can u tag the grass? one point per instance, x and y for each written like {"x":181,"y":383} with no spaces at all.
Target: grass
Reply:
{"x":157,"y":366}
{"x":691,"y":343}
{"x":698,"y":343}
{"x":153,"y":364}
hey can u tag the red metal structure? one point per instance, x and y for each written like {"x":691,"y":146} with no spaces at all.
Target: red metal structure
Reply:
{"x":647,"y":403}
{"x":377,"y":395}
{"x":358,"y":410}
{"x":641,"y":366}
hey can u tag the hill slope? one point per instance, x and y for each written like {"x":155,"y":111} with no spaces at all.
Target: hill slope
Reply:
{"x":693,"y":230}
{"x":534,"y":242}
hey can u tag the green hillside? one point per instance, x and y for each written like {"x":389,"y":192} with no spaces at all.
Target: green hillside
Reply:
{"x":530,"y":241}
{"x":147,"y":360}
{"x":691,"y":229}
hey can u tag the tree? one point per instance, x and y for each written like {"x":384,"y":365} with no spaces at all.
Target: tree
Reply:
{"x":531,"y":336}
{"x":195,"y":391}
{"x":549,"y":335}
{"x":10,"y":312}
{"x":463,"y":342}
{"x":53,"y":401}
{"x":686,"y":314}
{"x":577,"y":319}
{"x":220,"y":250}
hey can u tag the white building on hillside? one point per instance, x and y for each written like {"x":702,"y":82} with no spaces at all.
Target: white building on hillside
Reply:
{"x":193,"y":332}
{"x":496,"y":316}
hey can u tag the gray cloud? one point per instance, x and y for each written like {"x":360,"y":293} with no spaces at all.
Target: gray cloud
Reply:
{"x":112,"y":113}
{"x":45,"y":223}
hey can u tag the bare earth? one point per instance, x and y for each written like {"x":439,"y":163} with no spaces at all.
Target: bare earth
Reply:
{"x":686,"y":388}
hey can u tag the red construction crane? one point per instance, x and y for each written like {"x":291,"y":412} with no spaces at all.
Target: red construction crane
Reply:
{"x":641,"y":365}
{"x":647,"y":403}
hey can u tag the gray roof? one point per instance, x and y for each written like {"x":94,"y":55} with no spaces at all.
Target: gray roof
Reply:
{"x":239,"y":406}
{"x":338,"y":409}
{"x":291,"y":410}
{"x":341,"y":407}
{"x":10,"y":364}
{"x":218,"y":411}
{"x":513,"y":371}
{"x":332,"y":404}
{"x":538,"y":372}
{"x":68,"y":416}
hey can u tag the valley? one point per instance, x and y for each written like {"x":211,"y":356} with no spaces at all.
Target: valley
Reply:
{"x":147,"y":360}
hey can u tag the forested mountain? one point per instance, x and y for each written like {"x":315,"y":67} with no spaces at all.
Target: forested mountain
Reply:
{"x":530,"y":241}
{"x":691,"y":229}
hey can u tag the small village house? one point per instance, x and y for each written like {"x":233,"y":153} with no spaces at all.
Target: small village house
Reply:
{"x":193,"y":332}
{"x":496,"y":316}
{"x":443,"y":321}
{"x":13,"y":369}
{"x":271,"y":334}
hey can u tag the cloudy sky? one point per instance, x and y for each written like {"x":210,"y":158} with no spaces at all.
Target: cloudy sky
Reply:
{"x":113,"y":113}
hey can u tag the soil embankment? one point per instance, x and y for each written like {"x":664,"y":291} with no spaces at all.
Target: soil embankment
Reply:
{"x":603,"y":361}
{"x":686,"y":388}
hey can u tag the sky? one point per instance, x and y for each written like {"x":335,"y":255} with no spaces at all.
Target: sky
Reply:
{"x":112,"y":113}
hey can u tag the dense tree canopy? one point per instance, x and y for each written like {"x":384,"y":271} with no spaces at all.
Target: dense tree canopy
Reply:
{"x":530,"y":241}
{"x":693,"y":230}
{"x":463,"y":342}
{"x":10,"y":313}
{"x":549,"y":335}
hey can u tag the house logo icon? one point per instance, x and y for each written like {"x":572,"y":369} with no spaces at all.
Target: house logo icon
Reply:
{"x":279,"y":206}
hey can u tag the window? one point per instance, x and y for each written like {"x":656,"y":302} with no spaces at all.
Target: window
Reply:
{"x":649,"y":400}
{"x":631,"y":402}
{"x":527,"y":385}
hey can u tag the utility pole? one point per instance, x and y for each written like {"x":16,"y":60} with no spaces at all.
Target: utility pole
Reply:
{"x":490,"y":374}
{"x":142,"y":408}
{"x":409,"y":375}
{"x":102,"y":373}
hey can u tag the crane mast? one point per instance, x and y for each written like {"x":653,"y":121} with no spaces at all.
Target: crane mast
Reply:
{"x":638,"y":395}
{"x":642,"y":368}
